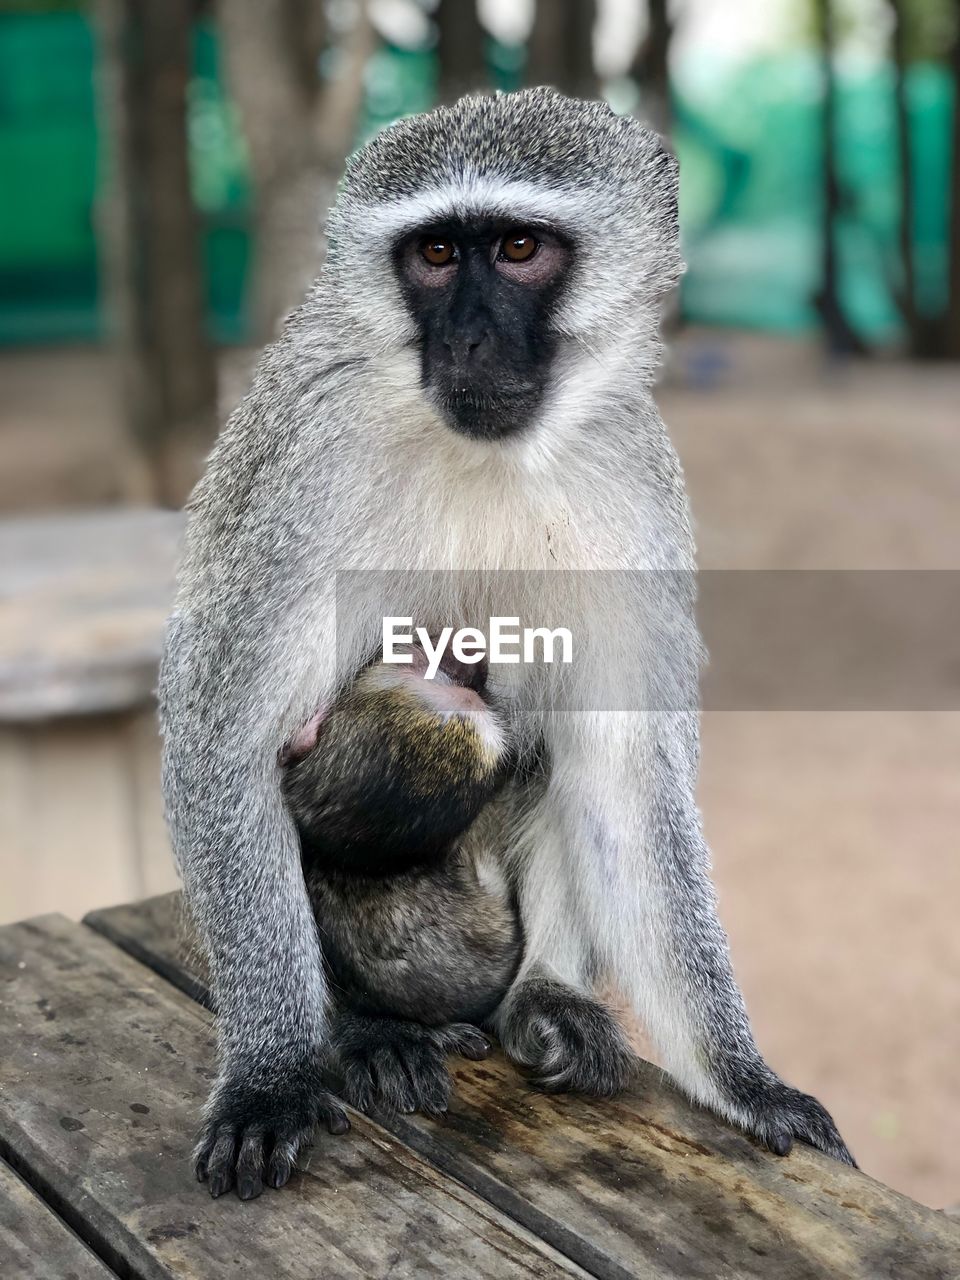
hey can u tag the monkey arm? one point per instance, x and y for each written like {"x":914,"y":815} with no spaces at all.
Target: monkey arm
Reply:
{"x":251,"y":652}
{"x":222,"y":689}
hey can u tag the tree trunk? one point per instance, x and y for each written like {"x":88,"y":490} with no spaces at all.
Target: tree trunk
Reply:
{"x":560,"y":49}
{"x":153,"y":252}
{"x":652,"y":69}
{"x":298,"y":130}
{"x":274,"y":80}
{"x":906,"y":288}
{"x":461,"y":49}
{"x":951,"y":336}
{"x":840,"y":335}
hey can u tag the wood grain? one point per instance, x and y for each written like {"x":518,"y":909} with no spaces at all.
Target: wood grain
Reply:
{"x":34,"y":1243}
{"x":102,"y":1077}
{"x":644,"y":1185}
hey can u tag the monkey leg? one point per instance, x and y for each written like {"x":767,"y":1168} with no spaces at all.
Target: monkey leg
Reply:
{"x":417,"y":961}
{"x":387,"y":1064}
{"x":616,"y":878}
{"x":549,"y":1022}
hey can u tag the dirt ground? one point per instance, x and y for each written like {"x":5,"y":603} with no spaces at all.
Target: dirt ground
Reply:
{"x":835,"y":834}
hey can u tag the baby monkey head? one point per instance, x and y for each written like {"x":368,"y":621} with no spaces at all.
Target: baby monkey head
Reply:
{"x":498,"y":241}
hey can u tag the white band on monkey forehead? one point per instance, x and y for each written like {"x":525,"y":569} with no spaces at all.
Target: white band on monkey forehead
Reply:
{"x":476,"y":195}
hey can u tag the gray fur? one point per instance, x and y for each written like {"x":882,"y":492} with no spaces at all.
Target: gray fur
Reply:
{"x":335,"y":460}
{"x":433,"y":946}
{"x":419,"y":941}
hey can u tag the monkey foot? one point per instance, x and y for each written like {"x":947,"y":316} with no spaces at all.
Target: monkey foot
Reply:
{"x":254,"y":1134}
{"x":778,"y":1114}
{"x":389,"y":1065}
{"x":570,"y":1042}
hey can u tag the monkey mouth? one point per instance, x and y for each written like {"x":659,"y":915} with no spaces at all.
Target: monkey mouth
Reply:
{"x":483,"y":414}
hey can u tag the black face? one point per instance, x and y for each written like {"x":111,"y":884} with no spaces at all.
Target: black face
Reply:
{"x":483,"y":294}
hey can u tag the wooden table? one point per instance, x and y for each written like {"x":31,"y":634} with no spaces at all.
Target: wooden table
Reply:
{"x":107,"y":1055}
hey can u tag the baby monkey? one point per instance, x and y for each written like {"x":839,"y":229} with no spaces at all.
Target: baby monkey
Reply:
{"x":421,"y":937}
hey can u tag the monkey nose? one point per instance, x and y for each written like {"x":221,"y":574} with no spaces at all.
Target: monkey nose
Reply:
{"x":465,"y":344}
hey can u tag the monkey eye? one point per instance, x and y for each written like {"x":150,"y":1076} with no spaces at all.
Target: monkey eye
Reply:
{"x":518,"y":246}
{"x":438,"y":252}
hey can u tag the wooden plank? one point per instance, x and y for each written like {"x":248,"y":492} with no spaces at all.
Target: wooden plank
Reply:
{"x":34,"y":1243}
{"x":157,"y":933}
{"x":82,"y":605}
{"x":104,"y":1070}
{"x":644,"y":1185}
{"x":17,"y":824}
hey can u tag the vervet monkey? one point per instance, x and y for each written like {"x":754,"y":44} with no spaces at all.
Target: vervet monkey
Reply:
{"x":466,"y":388}
{"x":419,"y":927}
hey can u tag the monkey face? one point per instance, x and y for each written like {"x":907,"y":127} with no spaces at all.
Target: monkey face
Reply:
{"x":506,"y":244}
{"x":482,"y":294}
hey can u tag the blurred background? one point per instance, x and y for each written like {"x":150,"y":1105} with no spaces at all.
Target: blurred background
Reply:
{"x":164,"y":169}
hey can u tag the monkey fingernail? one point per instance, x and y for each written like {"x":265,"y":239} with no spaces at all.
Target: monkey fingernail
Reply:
{"x":781,"y":1144}
{"x":220,"y":1183}
{"x":278,"y":1175}
{"x":249,"y":1188}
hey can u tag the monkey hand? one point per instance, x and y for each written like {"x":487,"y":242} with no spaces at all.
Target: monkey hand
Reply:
{"x":389,"y":1065}
{"x":255,"y":1128}
{"x":778,"y":1114}
{"x":571,"y":1043}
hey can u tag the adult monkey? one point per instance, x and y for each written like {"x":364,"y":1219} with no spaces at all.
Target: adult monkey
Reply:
{"x":466,"y":387}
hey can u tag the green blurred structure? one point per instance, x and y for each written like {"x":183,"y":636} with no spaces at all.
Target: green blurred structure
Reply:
{"x":749,"y":143}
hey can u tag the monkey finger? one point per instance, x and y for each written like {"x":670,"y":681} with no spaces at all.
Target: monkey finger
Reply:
{"x":436,"y":1098}
{"x":333,"y":1117}
{"x":220,"y":1166}
{"x":780,"y":1142}
{"x":467,"y":1040}
{"x":357,"y":1085}
{"x":250,"y":1163}
{"x":392,"y":1082}
{"x":281,"y":1163}
{"x":201,"y":1158}
{"x":203,"y":1151}
{"x":432,"y":1081}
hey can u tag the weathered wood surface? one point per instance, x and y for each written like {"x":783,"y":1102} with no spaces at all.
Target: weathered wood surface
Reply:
{"x":82,"y":604}
{"x":34,"y":1243}
{"x":104,"y":1068}
{"x":642,"y":1186}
